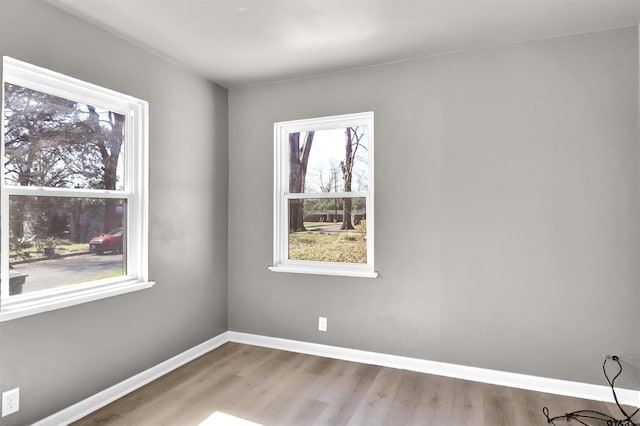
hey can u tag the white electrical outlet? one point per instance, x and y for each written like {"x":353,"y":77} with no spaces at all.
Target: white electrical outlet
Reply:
{"x":322,"y":324}
{"x":10,"y":401}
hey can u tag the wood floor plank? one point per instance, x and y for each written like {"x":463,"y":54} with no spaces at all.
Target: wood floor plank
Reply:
{"x":526,"y":405}
{"x":467,"y":408}
{"x":288,"y":395}
{"x":405,"y":400}
{"x":306,"y":413}
{"x":377,"y":402}
{"x":435,"y":400}
{"x":498,"y":405}
{"x":272,"y":387}
{"x":346,"y":394}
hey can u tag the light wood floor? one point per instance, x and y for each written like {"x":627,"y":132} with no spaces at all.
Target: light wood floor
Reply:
{"x":272,"y":387}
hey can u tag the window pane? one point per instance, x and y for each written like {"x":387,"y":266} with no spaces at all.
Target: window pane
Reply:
{"x":334,"y":160}
{"x":55,"y":142}
{"x":328,"y":230}
{"x":57,"y":241}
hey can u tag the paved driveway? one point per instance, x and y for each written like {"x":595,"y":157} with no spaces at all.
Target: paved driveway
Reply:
{"x":50,"y":273}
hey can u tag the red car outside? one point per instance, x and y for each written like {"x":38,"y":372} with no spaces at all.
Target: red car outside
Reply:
{"x":111,"y":241}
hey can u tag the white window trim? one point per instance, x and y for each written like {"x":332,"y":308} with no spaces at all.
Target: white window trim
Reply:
{"x":135,"y":191}
{"x":281,"y":261}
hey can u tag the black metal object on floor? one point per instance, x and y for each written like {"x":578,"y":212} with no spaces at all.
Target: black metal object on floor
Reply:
{"x":584,"y":416}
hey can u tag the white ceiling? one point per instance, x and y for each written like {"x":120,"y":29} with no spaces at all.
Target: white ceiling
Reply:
{"x":237,"y":43}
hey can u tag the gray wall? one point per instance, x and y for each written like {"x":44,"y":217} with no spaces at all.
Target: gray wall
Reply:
{"x":61,"y":357}
{"x":507,"y":209}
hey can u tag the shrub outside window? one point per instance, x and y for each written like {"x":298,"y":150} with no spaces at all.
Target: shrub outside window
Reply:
{"x":323,"y":196}
{"x":73,"y":194}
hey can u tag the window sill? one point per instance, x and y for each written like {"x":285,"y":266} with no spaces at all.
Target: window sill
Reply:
{"x":335,"y":270}
{"x":18,"y":309}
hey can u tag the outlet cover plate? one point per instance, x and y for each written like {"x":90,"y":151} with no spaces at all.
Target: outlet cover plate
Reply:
{"x":10,"y":401}
{"x":322,"y":324}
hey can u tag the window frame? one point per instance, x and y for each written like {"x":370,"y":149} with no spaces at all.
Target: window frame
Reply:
{"x":135,"y":191}
{"x":281,"y":261}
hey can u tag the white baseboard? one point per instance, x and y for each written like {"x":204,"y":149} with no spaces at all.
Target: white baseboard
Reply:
{"x":107,"y":396}
{"x":494,"y":377}
{"x":514,"y":380}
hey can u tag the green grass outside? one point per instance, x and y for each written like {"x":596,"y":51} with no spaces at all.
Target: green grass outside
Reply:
{"x":110,"y":274}
{"x":340,"y":246}
{"x":62,"y":247}
{"x":72,"y":247}
{"x":316,"y":224}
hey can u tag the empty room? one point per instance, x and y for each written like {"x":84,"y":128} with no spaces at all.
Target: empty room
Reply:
{"x":296,"y":212}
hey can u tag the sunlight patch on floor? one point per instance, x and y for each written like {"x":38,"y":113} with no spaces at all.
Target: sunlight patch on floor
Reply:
{"x":221,"y":419}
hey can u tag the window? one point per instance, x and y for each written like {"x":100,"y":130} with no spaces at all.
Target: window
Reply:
{"x":73,"y":194}
{"x":323,"y":196}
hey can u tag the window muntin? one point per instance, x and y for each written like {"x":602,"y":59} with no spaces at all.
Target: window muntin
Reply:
{"x":323,"y":196}
{"x":75,"y":167}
